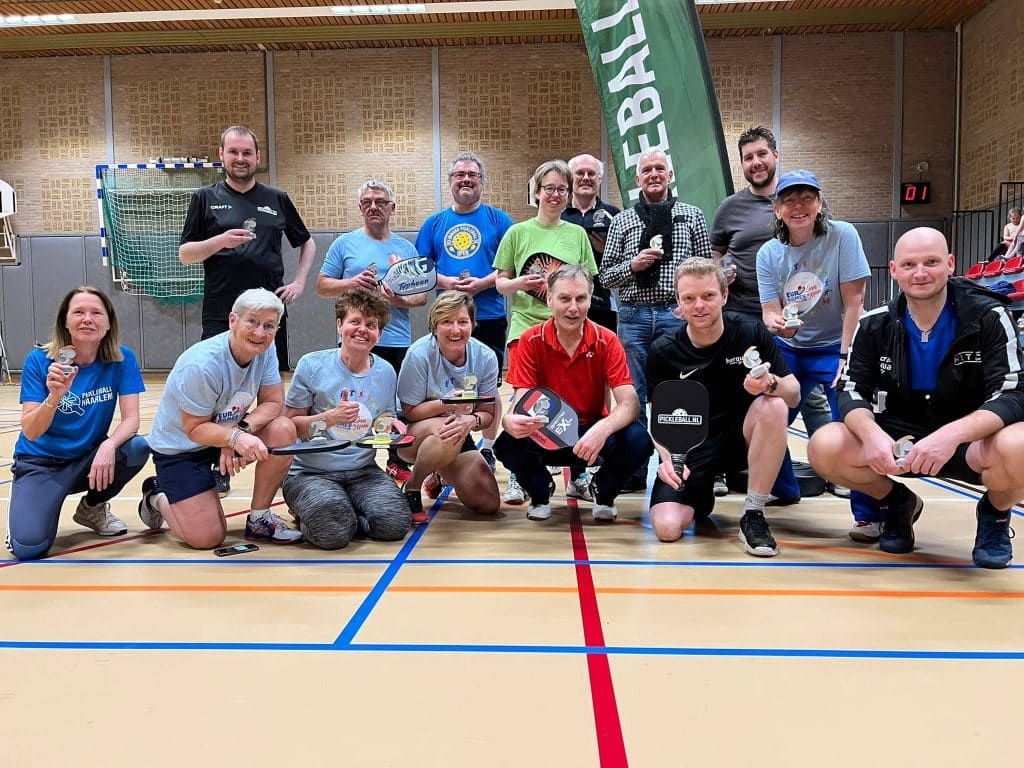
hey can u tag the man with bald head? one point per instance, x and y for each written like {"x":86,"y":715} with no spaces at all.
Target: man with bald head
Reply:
{"x":932,"y":388}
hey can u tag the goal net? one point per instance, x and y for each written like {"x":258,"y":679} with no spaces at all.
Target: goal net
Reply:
{"x":142,"y":211}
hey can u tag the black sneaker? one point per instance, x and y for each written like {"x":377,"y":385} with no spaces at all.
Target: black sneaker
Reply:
{"x":992,"y":547}
{"x":223,"y":483}
{"x":898,"y":523}
{"x":635,"y":483}
{"x":756,"y":535}
{"x":412,"y":498}
{"x":488,"y":454}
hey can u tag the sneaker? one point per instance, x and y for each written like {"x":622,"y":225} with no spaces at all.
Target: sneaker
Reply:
{"x":488,"y":454}
{"x":148,"y":513}
{"x":433,"y":485}
{"x":775,"y":501}
{"x":992,"y":547}
{"x":223,"y":483}
{"x":554,"y":471}
{"x":756,"y":535}
{"x":514,"y":493}
{"x":412,"y":498}
{"x":605,"y":512}
{"x":898,"y":528}
{"x":100,"y":519}
{"x":539,"y":511}
{"x":270,"y":527}
{"x":721,"y":487}
{"x":579,"y":488}
{"x":867,"y":531}
{"x":399,"y":470}
{"x":840,"y":491}
{"x":635,"y":483}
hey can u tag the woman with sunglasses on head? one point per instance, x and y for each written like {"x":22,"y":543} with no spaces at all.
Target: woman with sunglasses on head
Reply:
{"x":549,"y":242}
{"x":70,"y":389}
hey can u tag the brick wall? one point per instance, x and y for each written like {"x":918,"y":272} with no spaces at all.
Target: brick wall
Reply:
{"x":992,"y":124}
{"x":52,"y":134}
{"x":837,"y":118}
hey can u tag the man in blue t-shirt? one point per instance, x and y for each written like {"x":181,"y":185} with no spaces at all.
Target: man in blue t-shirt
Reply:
{"x":462,"y":240}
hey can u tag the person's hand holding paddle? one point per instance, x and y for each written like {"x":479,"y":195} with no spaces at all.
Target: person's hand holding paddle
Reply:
{"x":667,"y":472}
{"x":521,"y":425}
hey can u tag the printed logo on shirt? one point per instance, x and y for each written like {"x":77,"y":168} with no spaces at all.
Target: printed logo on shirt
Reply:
{"x":236,"y":407}
{"x":462,"y":241}
{"x":884,"y":364}
{"x":967,"y":358}
{"x":733,"y":361}
{"x":98,"y":395}
{"x":224,"y":207}
{"x":71,"y":404}
{"x":267,"y":209}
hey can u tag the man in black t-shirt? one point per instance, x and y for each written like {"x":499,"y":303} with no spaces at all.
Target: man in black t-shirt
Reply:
{"x":748,"y":415}
{"x":234,"y":229}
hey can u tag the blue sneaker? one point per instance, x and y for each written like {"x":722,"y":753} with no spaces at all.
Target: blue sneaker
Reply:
{"x":898,"y":524}
{"x":992,"y":547}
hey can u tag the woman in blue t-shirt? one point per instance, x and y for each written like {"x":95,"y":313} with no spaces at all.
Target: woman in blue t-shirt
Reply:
{"x":69,"y":390}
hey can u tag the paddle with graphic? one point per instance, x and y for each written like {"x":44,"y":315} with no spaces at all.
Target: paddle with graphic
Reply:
{"x":562,"y":429}
{"x":318,"y":442}
{"x":680,"y":412}
{"x":383,"y":437}
{"x":542,"y":264}
{"x":411,"y":276}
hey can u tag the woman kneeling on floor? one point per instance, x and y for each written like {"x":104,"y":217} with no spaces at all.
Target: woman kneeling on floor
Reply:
{"x":444,"y":363}
{"x":69,"y":390}
{"x":340,"y":495}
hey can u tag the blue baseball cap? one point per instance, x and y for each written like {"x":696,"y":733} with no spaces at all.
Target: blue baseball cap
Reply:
{"x":798,"y":178}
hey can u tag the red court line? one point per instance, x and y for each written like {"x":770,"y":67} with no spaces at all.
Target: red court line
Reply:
{"x":118,"y":540}
{"x":611,"y":746}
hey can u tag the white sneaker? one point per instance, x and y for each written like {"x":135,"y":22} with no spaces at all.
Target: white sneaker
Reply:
{"x":539,"y":511}
{"x":99,"y":518}
{"x":270,"y":527}
{"x":148,"y":513}
{"x":605,"y":512}
{"x":514,"y":493}
{"x":579,"y":488}
{"x":721,"y":487}
{"x":866,"y":531}
{"x":554,"y":471}
{"x":840,"y":491}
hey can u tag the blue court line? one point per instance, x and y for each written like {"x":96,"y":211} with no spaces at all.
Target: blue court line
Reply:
{"x":370,"y":601}
{"x":564,"y":650}
{"x":521,"y":561}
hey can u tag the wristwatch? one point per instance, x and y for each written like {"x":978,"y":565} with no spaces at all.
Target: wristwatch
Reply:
{"x":244,"y":426}
{"x":773,"y":384}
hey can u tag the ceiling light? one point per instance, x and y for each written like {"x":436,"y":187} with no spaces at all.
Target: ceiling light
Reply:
{"x":376,"y":10}
{"x":36,"y":21}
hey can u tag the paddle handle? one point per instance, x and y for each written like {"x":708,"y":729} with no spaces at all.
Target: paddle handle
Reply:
{"x":678,"y":462}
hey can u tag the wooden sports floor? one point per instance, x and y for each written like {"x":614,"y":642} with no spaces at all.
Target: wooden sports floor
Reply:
{"x":481,"y":642}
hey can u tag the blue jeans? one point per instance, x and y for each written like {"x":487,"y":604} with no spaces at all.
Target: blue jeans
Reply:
{"x":811,"y":368}
{"x":638,"y":326}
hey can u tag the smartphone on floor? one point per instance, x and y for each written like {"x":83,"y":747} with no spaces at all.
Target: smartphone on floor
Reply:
{"x":237,"y":549}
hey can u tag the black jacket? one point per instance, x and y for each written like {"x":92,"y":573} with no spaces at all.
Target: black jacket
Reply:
{"x":981,"y":370}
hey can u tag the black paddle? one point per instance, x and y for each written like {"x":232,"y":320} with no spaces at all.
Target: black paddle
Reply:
{"x":562,"y":429}
{"x":680,"y":413}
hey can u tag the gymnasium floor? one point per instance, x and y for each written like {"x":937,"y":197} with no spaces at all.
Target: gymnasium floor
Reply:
{"x":507,"y":642}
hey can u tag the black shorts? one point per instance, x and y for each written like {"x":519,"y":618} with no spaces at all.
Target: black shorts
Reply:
{"x":184,"y":475}
{"x":492,"y":333}
{"x":956,"y":468}
{"x":722,"y":451}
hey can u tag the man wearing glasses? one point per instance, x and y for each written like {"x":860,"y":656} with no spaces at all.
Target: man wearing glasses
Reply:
{"x":593,"y":214}
{"x":234,"y":229}
{"x":356,"y":260}
{"x":462,"y":240}
{"x":645,"y":245}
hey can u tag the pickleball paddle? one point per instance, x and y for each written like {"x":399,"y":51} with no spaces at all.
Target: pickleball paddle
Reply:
{"x":680,"y":414}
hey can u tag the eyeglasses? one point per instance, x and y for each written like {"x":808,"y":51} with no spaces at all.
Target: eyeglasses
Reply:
{"x":464,"y":175}
{"x":586,"y":174}
{"x":254,"y":325}
{"x":551,"y":189}
{"x":368,"y":204}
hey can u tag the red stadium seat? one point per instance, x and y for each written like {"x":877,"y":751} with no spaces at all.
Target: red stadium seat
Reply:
{"x":1014,"y":265}
{"x":976,"y":271}
{"x":994,"y":268}
{"x":1018,"y":290}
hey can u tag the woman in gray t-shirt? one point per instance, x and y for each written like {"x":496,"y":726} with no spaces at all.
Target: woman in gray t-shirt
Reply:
{"x":440,"y":365}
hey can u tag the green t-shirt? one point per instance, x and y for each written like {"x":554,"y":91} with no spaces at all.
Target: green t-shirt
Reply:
{"x":566,"y":242}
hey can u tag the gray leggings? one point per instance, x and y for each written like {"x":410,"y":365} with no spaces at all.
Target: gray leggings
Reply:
{"x":41,"y":484}
{"x":333,"y":509}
